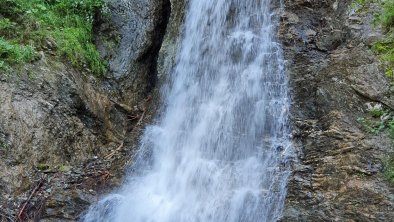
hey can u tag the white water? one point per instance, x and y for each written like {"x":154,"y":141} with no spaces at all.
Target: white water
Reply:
{"x":219,"y":149}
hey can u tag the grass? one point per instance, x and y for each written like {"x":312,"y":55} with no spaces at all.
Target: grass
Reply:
{"x":372,"y":126}
{"x":385,"y":47}
{"x":64,"y":27}
{"x":387,"y":17}
{"x":12,"y":53}
{"x":389,"y":169}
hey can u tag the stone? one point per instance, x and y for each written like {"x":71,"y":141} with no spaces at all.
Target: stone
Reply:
{"x":290,"y":18}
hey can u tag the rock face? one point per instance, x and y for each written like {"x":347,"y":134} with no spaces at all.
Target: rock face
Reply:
{"x":333,"y":74}
{"x":131,"y":40}
{"x":65,"y":137}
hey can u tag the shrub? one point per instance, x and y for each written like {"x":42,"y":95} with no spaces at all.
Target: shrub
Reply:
{"x":375,"y":110}
{"x":387,"y":17}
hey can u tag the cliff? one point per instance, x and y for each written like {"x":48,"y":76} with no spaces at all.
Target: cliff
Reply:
{"x":66,"y":137}
{"x":334,"y":77}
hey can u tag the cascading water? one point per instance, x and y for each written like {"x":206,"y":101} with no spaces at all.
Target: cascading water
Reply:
{"x":218,"y":151}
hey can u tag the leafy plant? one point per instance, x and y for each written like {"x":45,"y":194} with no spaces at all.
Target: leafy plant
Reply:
{"x":387,"y":17}
{"x":389,"y":168}
{"x":375,"y":110}
{"x":4,"y":145}
{"x":386,"y":47}
{"x":373,"y":127}
{"x":390,"y":125}
{"x":63,"y":26}
{"x":381,"y":120}
{"x":13,"y":54}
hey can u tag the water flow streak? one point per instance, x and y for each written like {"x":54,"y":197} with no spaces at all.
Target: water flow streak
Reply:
{"x":217,"y":153}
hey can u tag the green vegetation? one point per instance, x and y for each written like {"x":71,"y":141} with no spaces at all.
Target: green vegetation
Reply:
{"x":4,"y":146}
{"x":13,"y":53}
{"x":42,"y":166}
{"x":360,"y":2}
{"x":376,"y":110}
{"x":358,"y":5}
{"x":386,"y":47}
{"x":63,"y":168}
{"x":372,"y":126}
{"x":381,"y":120}
{"x":387,"y":17}
{"x":389,"y":168}
{"x":57,"y":168}
{"x":63,"y":27}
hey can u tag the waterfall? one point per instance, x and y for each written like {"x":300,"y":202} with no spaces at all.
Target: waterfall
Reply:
{"x":218,"y":151}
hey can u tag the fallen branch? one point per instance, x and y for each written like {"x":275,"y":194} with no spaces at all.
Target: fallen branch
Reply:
{"x":140,"y":120}
{"x":23,"y":208}
{"x":4,"y":217}
{"x":114,"y":151}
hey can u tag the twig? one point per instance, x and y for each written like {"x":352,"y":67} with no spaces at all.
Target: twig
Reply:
{"x":22,"y":210}
{"x":6,"y":217}
{"x":133,"y":117}
{"x":114,"y":151}
{"x":140,"y":120}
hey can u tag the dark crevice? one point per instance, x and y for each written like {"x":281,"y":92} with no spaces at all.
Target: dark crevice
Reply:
{"x":151,"y":55}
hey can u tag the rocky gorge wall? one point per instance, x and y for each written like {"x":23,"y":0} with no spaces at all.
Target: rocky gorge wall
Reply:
{"x":333,"y":75}
{"x":66,"y":137}
{"x":72,"y":136}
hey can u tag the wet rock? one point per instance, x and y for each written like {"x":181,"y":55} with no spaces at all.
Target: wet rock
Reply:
{"x":333,"y":74}
{"x":76,"y":131}
{"x":290,"y":18}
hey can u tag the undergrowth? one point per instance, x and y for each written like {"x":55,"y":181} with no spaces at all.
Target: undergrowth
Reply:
{"x":385,"y":47}
{"x":381,"y":120}
{"x":389,"y":168}
{"x":60,"y":27}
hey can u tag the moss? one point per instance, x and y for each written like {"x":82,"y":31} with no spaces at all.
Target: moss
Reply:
{"x":63,"y":168}
{"x":42,"y":166}
{"x":63,"y":26}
